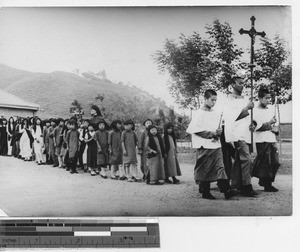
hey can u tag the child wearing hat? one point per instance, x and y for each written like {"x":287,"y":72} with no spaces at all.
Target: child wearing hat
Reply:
{"x":129,"y":143}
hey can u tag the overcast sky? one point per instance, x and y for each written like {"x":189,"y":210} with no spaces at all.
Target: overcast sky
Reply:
{"x":119,"y":40}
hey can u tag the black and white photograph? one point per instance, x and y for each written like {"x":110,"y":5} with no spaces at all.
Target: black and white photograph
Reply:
{"x":146,"y":111}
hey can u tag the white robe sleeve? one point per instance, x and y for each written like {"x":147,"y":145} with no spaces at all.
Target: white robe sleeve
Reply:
{"x":197,"y":123}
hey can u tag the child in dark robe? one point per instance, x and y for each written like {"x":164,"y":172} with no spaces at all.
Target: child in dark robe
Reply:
{"x":172,"y":168}
{"x":129,"y":143}
{"x":52,"y":157}
{"x":155,"y":157}
{"x":72,"y":141}
{"x":10,"y":133}
{"x":91,"y":149}
{"x":46,"y":139}
{"x":3,"y":137}
{"x":102,"y":153}
{"x":142,"y":146}
{"x":17,"y":136}
{"x":115,"y":149}
{"x":58,"y":140}
{"x":266,"y":163}
{"x":64,"y":152}
{"x":82,"y":153}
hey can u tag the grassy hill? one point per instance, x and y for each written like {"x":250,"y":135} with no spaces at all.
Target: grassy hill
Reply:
{"x":55,"y":91}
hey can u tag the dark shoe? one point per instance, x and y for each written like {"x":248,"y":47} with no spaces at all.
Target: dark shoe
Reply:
{"x":270,"y":189}
{"x":158,"y":183}
{"x":208,"y":196}
{"x":103,"y":176}
{"x":68,"y":169}
{"x":72,"y":172}
{"x":176,"y":181}
{"x":55,"y":165}
{"x":248,"y":191}
{"x":200,"y":189}
{"x":230,"y":193}
{"x":122,"y":178}
{"x":168,"y":181}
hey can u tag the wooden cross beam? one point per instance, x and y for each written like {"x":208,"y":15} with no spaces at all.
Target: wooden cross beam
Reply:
{"x":252,"y":33}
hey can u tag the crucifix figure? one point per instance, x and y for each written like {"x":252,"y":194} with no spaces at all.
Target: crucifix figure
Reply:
{"x":252,"y":33}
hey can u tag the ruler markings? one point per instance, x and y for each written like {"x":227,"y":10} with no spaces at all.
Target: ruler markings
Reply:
{"x":79,"y":233}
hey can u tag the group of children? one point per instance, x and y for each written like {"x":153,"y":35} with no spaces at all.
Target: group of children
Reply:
{"x":221,"y":137}
{"x":93,"y":146}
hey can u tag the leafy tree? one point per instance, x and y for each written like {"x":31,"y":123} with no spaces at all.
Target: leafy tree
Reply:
{"x":195,"y":63}
{"x":100,"y":97}
{"x":76,"y":109}
{"x":226,"y":54}
{"x":273,"y":70}
{"x":189,"y":65}
{"x":181,"y":126}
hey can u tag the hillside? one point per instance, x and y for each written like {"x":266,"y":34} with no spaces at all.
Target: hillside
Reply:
{"x":55,"y":91}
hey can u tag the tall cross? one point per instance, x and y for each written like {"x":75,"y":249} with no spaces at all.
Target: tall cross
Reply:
{"x":252,"y":33}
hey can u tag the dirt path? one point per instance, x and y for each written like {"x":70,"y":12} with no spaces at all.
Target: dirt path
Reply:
{"x":27,"y":189}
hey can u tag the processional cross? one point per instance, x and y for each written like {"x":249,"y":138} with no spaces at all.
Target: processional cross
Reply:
{"x":252,"y":33}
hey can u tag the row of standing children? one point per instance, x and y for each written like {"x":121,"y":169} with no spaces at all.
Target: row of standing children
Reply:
{"x":66,"y":143}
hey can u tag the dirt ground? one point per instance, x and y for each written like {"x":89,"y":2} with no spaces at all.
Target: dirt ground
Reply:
{"x":27,"y":189}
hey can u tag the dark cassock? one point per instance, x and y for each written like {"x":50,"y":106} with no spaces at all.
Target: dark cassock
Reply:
{"x":266,"y":163}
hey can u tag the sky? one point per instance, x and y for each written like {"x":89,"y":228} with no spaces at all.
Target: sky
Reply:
{"x":119,"y":40}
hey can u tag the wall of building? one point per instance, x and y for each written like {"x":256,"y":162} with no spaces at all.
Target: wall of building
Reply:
{"x":8,"y":112}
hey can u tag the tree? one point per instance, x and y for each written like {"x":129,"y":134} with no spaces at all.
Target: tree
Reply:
{"x":273,"y":69}
{"x":181,"y":126}
{"x":225,"y":53}
{"x":195,"y":63}
{"x":188,"y":65}
{"x":100,"y":97}
{"x":76,"y":109}
{"x":172,"y":116}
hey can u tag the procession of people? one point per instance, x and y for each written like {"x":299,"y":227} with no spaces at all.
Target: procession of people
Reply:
{"x":222,"y":140}
{"x":223,"y":151}
{"x":93,"y":146}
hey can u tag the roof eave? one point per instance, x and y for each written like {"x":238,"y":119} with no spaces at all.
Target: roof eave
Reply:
{"x":20,"y":107}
